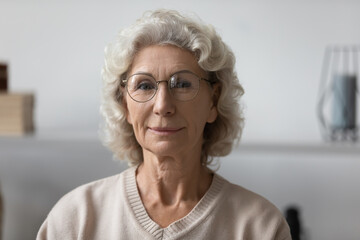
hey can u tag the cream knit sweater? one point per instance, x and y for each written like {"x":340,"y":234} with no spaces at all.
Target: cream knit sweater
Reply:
{"x":111,"y":209}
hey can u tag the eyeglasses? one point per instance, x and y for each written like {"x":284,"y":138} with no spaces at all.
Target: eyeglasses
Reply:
{"x":183,"y":86}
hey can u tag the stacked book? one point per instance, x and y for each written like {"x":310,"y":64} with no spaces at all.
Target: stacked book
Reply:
{"x":16,"y":109}
{"x":16,"y":113}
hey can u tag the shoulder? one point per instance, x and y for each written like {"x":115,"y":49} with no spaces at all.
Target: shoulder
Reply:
{"x":240,"y":197}
{"x":249,"y":199}
{"x":89,"y":191}
{"x":94,"y":193}
{"x":84,"y":206}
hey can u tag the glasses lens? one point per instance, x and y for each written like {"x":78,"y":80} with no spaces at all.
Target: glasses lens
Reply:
{"x":184,"y":86}
{"x":141,"y":87}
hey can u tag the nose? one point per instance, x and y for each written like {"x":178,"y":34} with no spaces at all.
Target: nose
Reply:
{"x":163,"y":105}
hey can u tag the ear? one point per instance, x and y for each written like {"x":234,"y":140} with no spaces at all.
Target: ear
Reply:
{"x":215,"y":96}
{"x":212,"y":115}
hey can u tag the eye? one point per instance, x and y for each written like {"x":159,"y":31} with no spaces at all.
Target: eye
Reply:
{"x":145,"y":85}
{"x":180,"y":82}
{"x":142,"y":82}
{"x":183,"y":84}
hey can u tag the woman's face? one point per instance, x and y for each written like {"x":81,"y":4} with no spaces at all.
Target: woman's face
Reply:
{"x":163,"y":125}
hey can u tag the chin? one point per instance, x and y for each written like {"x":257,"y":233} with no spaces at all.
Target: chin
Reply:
{"x":165,"y":149}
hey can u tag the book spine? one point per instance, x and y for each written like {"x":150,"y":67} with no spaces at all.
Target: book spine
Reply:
{"x":3,"y":77}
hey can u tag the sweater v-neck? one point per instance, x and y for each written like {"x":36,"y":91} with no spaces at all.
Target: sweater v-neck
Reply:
{"x":179,"y":227}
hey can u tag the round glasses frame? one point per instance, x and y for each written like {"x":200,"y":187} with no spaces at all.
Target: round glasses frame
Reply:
{"x":125,"y":83}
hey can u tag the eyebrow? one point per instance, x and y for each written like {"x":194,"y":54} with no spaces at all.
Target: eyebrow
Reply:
{"x":149,"y":74}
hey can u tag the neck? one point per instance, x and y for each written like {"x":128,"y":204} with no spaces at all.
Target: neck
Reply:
{"x":171,"y":181}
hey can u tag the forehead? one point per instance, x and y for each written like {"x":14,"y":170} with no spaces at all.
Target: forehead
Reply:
{"x":163,"y":60}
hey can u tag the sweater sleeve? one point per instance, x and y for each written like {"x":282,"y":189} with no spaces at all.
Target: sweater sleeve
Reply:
{"x":61,"y":223}
{"x":283,"y":231}
{"x":51,"y":231}
{"x":254,"y":217}
{"x":42,"y":234}
{"x":84,"y":212}
{"x":72,"y":217}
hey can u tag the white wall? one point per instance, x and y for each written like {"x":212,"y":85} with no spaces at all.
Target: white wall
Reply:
{"x":56,"y":49}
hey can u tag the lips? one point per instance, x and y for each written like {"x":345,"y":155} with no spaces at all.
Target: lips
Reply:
{"x":165,"y":130}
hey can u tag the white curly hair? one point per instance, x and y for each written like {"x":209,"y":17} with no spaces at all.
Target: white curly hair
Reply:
{"x":161,"y":27}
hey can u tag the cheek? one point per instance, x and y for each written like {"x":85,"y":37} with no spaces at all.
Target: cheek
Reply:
{"x":201,"y":115}
{"x":136,"y":113}
{"x":133,"y":112}
{"x":128,"y":116}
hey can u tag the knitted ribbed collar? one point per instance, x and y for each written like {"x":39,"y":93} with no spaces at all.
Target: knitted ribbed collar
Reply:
{"x":181,"y":226}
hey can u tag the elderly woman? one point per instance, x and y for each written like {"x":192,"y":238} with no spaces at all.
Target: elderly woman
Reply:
{"x":170,"y":102}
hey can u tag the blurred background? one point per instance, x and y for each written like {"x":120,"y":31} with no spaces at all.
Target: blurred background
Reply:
{"x":55,"y":49}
